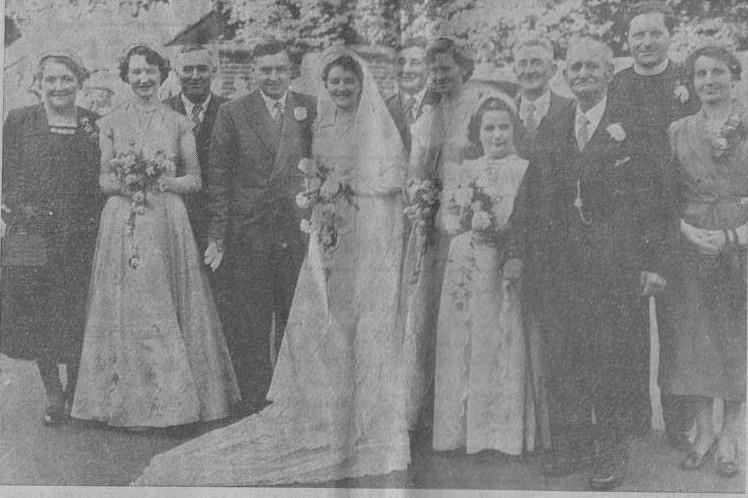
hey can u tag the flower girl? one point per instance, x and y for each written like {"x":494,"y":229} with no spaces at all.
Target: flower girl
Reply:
{"x":482,"y":391}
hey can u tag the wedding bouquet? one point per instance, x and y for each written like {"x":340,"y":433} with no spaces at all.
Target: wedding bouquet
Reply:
{"x":425,"y":204}
{"x":328,"y":191}
{"x":470,"y":206}
{"x":139,"y":172}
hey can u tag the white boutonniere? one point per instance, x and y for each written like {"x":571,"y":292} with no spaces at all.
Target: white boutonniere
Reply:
{"x":681,"y":93}
{"x":616,"y":132}
{"x":300,"y":113}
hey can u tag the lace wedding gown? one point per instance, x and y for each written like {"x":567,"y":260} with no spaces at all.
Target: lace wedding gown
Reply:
{"x":337,"y":393}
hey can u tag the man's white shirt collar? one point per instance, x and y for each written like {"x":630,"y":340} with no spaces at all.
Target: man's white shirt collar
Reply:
{"x":658,"y":69}
{"x":189,"y":105}
{"x":270,"y":102}
{"x":542,"y":104}
{"x":594,"y":115}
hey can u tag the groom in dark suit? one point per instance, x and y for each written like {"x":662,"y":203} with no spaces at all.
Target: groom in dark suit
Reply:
{"x":593,"y":202}
{"x":195,"y":68}
{"x":257,"y":143}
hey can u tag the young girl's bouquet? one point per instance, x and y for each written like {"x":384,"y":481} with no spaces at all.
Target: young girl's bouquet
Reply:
{"x":470,"y":206}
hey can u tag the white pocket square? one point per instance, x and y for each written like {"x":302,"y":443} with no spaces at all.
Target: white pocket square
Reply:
{"x":622,"y":161}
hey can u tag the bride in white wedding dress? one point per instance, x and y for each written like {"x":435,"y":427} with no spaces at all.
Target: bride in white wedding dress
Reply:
{"x":337,"y":393}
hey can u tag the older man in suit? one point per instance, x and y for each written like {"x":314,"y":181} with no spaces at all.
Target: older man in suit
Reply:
{"x":195,"y":68}
{"x":592,"y":199}
{"x":258,"y":141}
{"x":411,"y":75}
{"x":537,"y":103}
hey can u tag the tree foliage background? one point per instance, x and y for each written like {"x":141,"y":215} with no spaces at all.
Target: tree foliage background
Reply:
{"x":489,"y":26}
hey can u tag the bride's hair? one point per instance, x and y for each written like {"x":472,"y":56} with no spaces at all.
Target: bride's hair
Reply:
{"x":476,"y":121}
{"x":347,"y":63}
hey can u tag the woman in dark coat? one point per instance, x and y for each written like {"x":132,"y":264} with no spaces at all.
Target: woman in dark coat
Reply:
{"x":49,"y":223}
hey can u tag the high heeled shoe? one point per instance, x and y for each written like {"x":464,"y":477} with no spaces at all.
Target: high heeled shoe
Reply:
{"x":694,"y":460}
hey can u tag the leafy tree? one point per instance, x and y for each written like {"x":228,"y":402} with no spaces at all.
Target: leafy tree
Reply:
{"x":26,"y":9}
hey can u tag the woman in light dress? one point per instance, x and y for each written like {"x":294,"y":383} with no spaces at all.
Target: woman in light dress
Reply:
{"x":154,"y":354}
{"x":439,"y":137}
{"x":337,"y":392}
{"x":483,"y":399}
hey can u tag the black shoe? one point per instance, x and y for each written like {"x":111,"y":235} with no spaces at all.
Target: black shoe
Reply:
{"x":53,"y":416}
{"x":610,"y":467}
{"x":694,"y":460}
{"x":727,"y":468}
{"x":679,"y":440}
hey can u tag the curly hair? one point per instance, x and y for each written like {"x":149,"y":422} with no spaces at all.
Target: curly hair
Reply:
{"x":476,"y":120}
{"x":151,"y":57}
{"x":449,"y":47}
{"x":719,"y":52}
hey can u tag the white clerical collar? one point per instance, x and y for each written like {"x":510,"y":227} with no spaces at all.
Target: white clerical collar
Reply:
{"x":270,"y":102}
{"x":594,"y":114}
{"x":189,"y":105}
{"x":542,"y":104}
{"x":653,"y":71}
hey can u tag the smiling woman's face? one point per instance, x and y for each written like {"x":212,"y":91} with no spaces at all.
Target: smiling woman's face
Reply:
{"x":712,"y":80}
{"x":59,"y":85}
{"x":144,"y":78}
{"x":344,"y":88}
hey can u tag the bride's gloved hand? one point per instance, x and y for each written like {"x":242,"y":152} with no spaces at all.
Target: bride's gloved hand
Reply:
{"x":213,"y":254}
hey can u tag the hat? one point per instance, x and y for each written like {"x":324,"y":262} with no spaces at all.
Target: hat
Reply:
{"x":70,"y":58}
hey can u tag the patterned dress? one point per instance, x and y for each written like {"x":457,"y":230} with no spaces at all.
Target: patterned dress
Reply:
{"x":154,"y":353}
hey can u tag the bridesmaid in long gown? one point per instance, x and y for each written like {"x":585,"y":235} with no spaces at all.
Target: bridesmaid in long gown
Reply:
{"x":439,"y":136}
{"x":154,"y":354}
{"x":337,"y":391}
{"x":483,"y":396}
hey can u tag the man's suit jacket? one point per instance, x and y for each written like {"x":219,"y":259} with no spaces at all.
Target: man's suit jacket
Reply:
{"x":524,"y":140}
{"x":621,"y":194}
{"x":197,"y":203}
{"x":253,"y":170}
{"x":395,"y":106}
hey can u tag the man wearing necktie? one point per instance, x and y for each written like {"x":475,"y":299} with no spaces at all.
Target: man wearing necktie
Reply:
{"x":592,"y":200}
{"x":254,"y":236}
{"x":195,"y":67}
{"x":537,"y":104}
{"x":411,"y":75}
